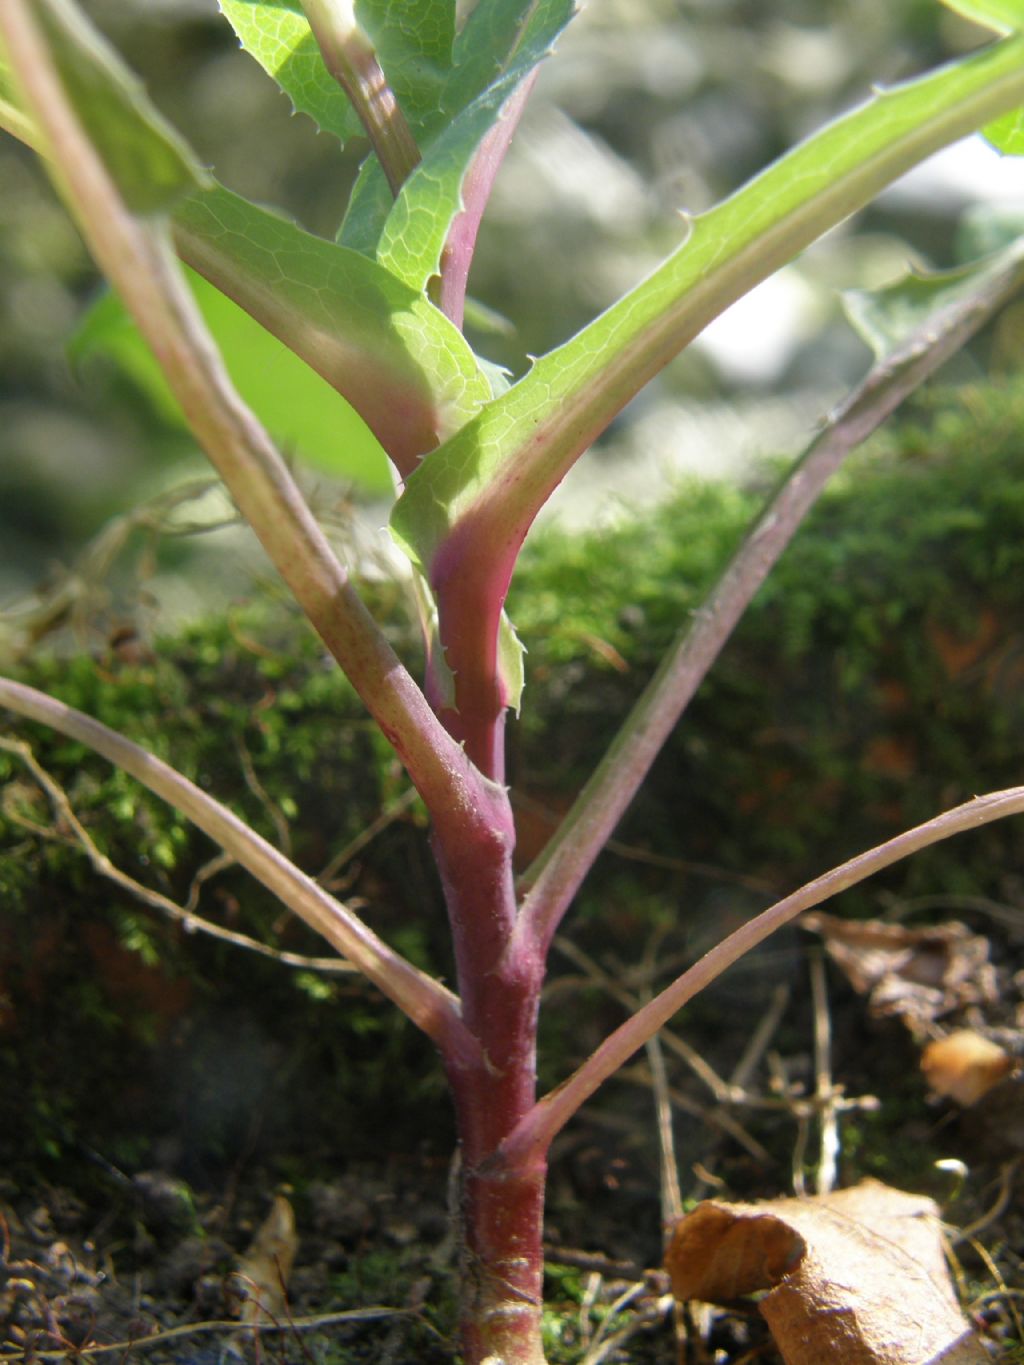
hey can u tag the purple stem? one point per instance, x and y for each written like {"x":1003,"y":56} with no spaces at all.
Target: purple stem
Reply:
{"x":476,"y":191}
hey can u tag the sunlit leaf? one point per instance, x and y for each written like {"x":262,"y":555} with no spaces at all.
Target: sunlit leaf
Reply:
{"x":407,"y":370}
{"x":413,"y":43}
{"x":499,"y":470}
{"x":499,"y":47}
{"x":1004,"y":16}
{"x":1006,"y":134}
{"x":450,"y":90}
{"x":278,"y":36}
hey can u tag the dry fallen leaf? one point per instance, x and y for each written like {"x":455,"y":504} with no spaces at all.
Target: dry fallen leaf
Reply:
{"x":965,"y":1066}
{"x":264,"y":1269}
{"x":918,"y":975}
{"x":856,"y":1277}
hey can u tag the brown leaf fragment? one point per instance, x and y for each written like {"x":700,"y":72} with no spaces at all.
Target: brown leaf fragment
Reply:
{"x":856,"y":1277}
{"x":264,"y":1269}
{"x":720,"y":1252}
{"x":964,"y":1065}
{"x":917,"y":975}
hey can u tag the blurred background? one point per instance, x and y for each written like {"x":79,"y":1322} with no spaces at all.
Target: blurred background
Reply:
{"x":653,"y":108}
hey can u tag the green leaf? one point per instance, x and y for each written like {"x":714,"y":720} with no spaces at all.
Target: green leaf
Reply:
{"x":368,"y":208}
{"x":498,"y":48}
{"x":146,"y":158}
{"x":466,"y":510}
{"x":1006,"y":134}
{"x":400,"y":363}
{"x":404,"y":367}
{"x":450,"y":90}
{"x":888,"y":318}
{"x":497,"y":472}
{"x":277,"y":35}
{"x":1004,"y":16}
{"x":303,"y":413}
{"x":416,"y":228}
{"x":413,"y":39}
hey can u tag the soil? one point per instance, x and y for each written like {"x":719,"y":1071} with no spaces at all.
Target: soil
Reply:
{"x":100,"y":1263}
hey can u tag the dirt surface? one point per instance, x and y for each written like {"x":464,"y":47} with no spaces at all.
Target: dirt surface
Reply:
{"x":151,"y":1269}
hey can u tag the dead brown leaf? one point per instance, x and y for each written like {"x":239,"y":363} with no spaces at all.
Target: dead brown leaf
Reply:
{"x":965,"y":1065}
{"x":856,"y":1277}
{"x":264,"y":1269}
{"x":917,"y":975}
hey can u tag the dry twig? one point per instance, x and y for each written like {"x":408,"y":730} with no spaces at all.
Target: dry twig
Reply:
{"x":67,"y":829}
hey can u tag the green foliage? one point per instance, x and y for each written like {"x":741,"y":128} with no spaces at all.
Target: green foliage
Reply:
{"x":450,"y":86}
{"x":473,"y":502}
{"x":498,"y":48}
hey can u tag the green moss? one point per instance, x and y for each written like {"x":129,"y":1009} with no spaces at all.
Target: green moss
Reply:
{"x":875,"y":681}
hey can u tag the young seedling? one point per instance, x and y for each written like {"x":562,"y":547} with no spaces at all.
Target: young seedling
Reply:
{"x":378,"y":313}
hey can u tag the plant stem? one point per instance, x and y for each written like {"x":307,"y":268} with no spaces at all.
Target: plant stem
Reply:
{"x":501,"y":1205}
{"x":556,"y":875}
{"x":502,"y":1264}
{"x":350,"y":58}
{"x":476,"y":190}
{"x":424,"y":1000}
{"x":535,"y":1132}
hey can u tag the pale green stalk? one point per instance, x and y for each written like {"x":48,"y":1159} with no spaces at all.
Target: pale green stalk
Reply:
{"x":349,"y":56}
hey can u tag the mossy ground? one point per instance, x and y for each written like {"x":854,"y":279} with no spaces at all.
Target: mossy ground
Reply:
{"x":875,"y":681}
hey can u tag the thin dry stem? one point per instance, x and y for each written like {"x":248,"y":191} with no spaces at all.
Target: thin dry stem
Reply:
{"x":302,"y":1324}
{"x":79,"y":837}
{"x":671,"y":1194}
{"x":424,"y":1000}
{"x":825,"y":1094}
{"x":551,"y":1113}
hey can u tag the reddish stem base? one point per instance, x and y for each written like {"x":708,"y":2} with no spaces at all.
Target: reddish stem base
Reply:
{"x":502,"y":1268}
